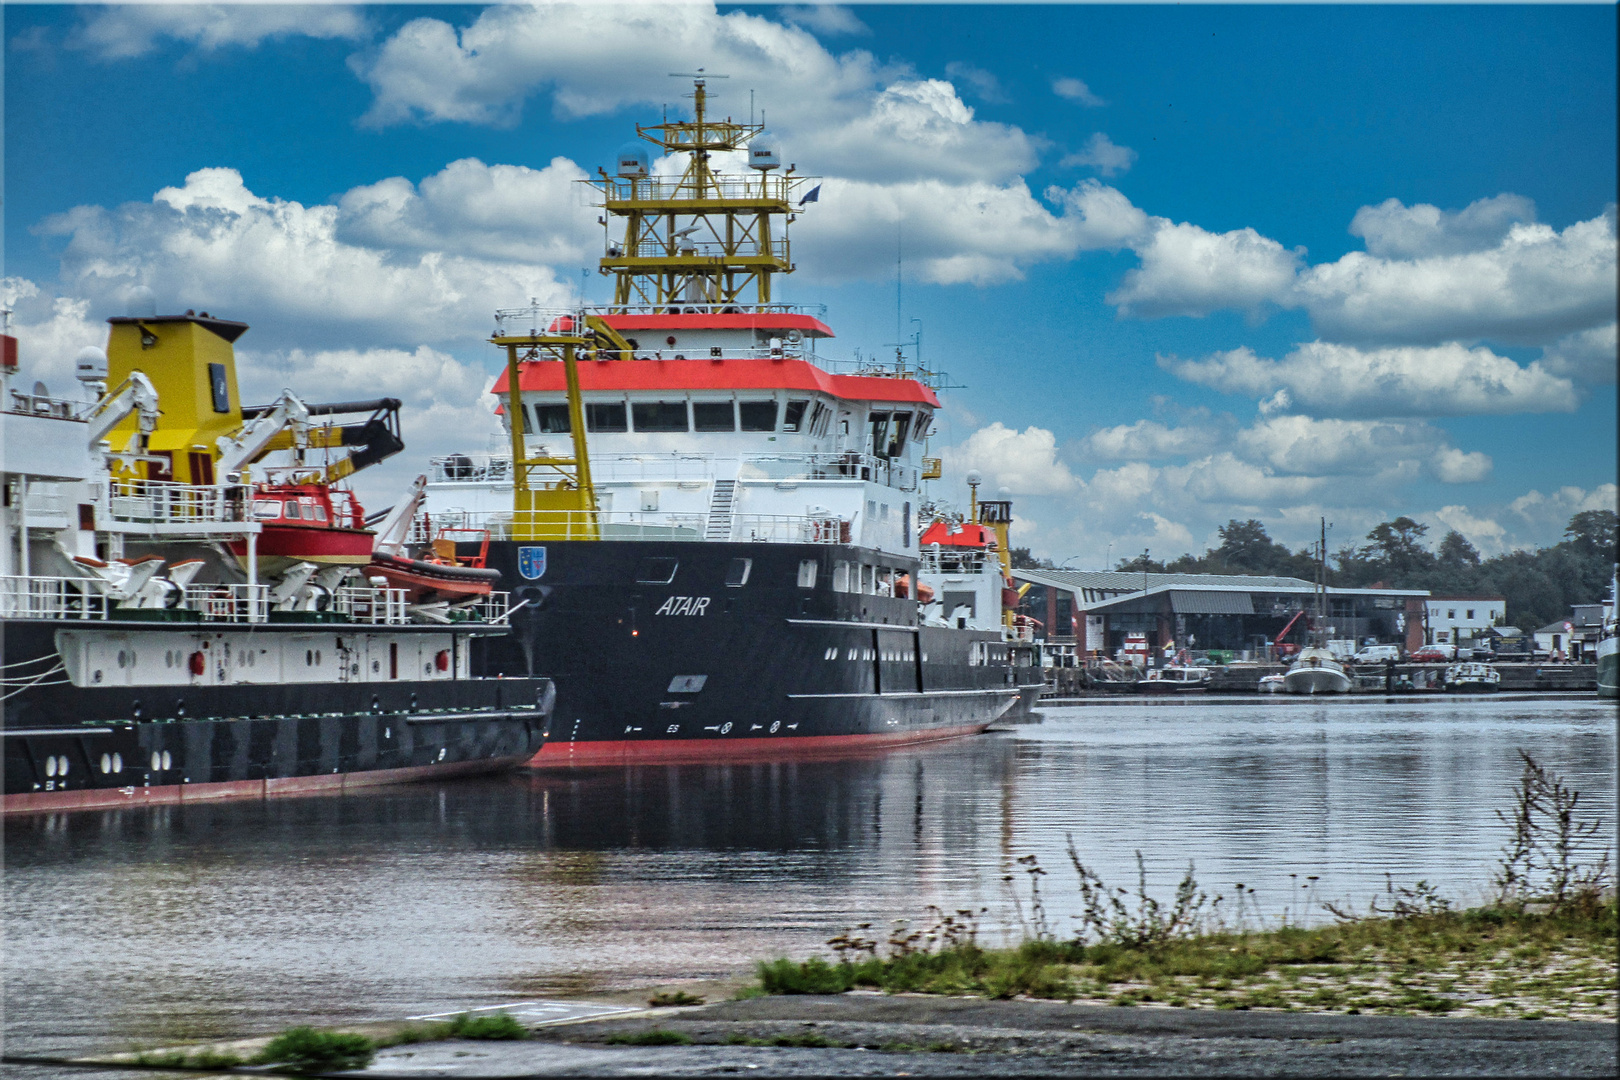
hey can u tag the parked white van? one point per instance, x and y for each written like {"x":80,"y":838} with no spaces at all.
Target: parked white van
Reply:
{"x":1377,"y":654}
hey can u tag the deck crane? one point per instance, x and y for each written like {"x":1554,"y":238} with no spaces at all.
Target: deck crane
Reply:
{"x":286,"y":424}
{"x":135,"y":394}
{"x":253,"y":439}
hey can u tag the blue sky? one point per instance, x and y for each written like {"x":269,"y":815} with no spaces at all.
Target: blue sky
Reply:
{"x":1192,"y":263}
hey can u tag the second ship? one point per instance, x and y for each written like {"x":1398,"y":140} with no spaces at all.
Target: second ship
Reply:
{"x":745,"y":561}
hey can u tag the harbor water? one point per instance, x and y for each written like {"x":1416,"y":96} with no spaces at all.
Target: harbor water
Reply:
{"x":197,"y":921}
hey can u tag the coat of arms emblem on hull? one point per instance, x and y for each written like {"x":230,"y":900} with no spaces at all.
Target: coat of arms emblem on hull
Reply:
{"x":532,"y":562}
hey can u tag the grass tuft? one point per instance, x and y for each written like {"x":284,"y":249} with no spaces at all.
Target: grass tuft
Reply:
{"x":305,"y":1050}
{"x":655,"y":1037}
{"x":493,"y":1026}
{"x":674,"y":999}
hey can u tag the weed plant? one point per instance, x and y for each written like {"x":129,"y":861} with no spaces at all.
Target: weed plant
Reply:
{"x":493,"y":1026}
{"x":674,"y":999}
{"x":655,"y":1037}
{"x":306,"y":1050}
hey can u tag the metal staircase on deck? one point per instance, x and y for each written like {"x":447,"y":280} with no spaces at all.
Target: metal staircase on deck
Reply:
{"x":719,"y":525}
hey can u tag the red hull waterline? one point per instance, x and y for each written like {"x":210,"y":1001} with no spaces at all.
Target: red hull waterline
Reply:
{"x":42,"y":802}
{"x":563,"y":755}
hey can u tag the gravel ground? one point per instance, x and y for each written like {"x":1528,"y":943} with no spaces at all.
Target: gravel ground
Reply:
{"x":879,"y":1035}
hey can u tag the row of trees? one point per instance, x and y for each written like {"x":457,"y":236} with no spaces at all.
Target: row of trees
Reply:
{"x":1539,"y":586}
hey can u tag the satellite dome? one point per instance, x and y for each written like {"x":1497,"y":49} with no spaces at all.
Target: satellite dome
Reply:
{"x":974,"y":479}
{"x":631,"y":162}
{"x":91,"y":364}
{"x":763,"y":153}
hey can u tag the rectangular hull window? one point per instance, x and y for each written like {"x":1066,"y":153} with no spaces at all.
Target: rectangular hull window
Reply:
{"x":606,"y":416}
{"x":714,"y":416}
{"x":757,"y":415}
{"x":552,"y":419}
{"x":659,"y":415}
{"x":737,"y":572}
{"x":807,"y":573}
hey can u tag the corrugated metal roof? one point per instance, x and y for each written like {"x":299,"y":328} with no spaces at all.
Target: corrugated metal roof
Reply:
{"x":1127,"y":581}
{"x":1189,"y":602}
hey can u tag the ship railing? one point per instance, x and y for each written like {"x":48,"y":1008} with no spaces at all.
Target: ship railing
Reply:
{"x":1018,"y":632}
{"x":28,"y":597}
{"x":788,"y":529}
{"x":43,"y":499}
{"x":371,"y":604}
{"x":229,"y":603}
{"x":655,"y":247}
{"x":161,"y":502}
{"x":495,"y":468}
{"x":45,"y":405}
{"x":937,"y":559}
{"x":491,"y":608}
{"x":708,"y":307}
{"x":846,"y":466}
{"x":634,"y":525}
{"x":777,"y":187}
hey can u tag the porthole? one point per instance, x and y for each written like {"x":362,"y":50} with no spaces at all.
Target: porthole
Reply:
{"x":317,"y":658}
{"x":157,"y":761}
{"x":118,"y":763}
{"x":122,"y":660}
{"x":168,"y":762}
{"x":309,"y":657}
{"x":168,"y":658}
{"x":851,"y":655}
{"x":62,"y":765}
{"x":50,"y":766}
{"x":106,"y":764}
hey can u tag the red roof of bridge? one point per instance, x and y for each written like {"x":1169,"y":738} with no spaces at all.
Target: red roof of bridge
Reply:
{"x":753,"y":373}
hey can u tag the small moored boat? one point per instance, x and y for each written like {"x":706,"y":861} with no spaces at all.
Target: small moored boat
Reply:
{"x":1472,"y":678}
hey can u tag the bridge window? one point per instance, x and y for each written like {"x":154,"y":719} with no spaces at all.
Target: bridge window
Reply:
{"x":266,"y":509}
{"x":757,"y":415}
{"x":713,"y":416}
{"x":290,"y":508}
{"x":659,"y":415}
{"x":840,"y":581}
{"x":794,"y":416}
{"x":552,"y":419}
{"x":606,"y":416}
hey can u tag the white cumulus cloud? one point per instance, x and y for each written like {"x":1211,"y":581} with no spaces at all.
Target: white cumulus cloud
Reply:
{"x":1334,"y":447}
{"x":830,"y":20}
{"x":1187,"y":270}
{"x":1012,"y":461}
{"x":1327,"y":379}
{"x":1071,"y":89}
{"x":1534,"y":285}
{"x":1589,"y":356}
{"x":214,"y":244}
{"x":1151,"y":439}
{"x":1394,"y":230}
{"x":117,"y":32}
{"x":1101,"y":154}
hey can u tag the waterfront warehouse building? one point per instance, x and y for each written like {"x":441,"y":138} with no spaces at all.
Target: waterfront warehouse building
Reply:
{"x":1461,"y":620}
{"x":1090,"y":612}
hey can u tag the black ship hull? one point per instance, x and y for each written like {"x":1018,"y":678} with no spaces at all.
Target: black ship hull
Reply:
{"x":657,"y":658}
{"x":82,"y":747}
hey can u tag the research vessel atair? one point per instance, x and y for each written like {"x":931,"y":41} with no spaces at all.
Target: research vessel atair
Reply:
{"x":718,"y":538}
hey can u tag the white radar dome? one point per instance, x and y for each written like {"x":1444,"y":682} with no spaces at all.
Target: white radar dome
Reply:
{"x":763,"y":152}
{"x":974,"y":479}
{"x":91,"y":364}
{"x":631,"y":161}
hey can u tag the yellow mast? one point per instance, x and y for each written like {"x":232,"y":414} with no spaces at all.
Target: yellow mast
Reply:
{"x":706,"y":238}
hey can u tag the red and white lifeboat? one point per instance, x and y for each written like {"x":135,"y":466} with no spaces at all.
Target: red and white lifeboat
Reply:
{"x":306,"y":523}
{"x":440,"y":575}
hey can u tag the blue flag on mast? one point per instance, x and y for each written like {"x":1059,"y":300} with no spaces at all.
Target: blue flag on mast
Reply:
{"x":814,"y":196}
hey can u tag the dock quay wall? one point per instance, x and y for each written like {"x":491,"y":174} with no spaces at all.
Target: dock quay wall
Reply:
{"x":1368,"y":678}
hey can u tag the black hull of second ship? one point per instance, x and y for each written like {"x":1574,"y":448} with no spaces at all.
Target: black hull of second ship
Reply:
{"x":72,"y":748}
{"x":694,"y":669}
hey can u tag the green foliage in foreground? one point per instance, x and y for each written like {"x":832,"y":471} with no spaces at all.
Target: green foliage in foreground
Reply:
{"x":305,"y":1050}
{"x":1052,"y":969}
{"x":493,"y":1026}
{"x":655,"y":1037}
